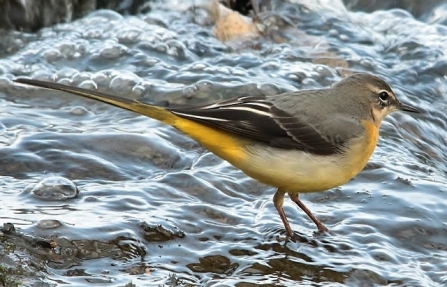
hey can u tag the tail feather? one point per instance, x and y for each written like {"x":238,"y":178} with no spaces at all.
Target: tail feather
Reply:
{"x":151,"y":111}
{"x":222,"y":143}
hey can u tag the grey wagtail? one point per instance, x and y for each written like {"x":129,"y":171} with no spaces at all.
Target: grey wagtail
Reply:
{"x":298,"y":142}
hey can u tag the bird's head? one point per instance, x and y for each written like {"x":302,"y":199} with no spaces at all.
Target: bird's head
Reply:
{"x":375,"y":93}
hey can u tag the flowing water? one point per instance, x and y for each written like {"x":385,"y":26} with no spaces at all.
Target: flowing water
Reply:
{"x":127,"y":199}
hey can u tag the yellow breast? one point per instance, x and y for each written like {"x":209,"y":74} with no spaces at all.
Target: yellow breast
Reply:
{"x":297,"y":171}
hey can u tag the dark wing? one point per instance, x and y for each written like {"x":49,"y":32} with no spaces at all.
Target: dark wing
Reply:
{"x":258,"y":119}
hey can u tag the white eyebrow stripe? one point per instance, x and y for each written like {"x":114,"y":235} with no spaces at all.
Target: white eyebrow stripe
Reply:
{"x":373,"y":88}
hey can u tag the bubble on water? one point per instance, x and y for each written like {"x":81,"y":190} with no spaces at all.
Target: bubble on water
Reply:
{"x":49,"y":224}
{"x":189,"y":91}
{"x":92,"y":33}
{"x":129,"y":36}
{"x":161,"y":47}
{"x":138,"y":90}
{"x":101,"y":79}
{"x":51,"y":54}
{"x":66,"y":49}
{"x":176,"y":48}
{"x":67,"y":72}
{"x":78,"y":111}
{"x":89,"y":85}
{"x":124,"y":83}
{"x":81,"y":77}
{"x":65,"y":81}
{"x":113,"y":51}
{"x":55,"y":188}
{"x":204,"y":85}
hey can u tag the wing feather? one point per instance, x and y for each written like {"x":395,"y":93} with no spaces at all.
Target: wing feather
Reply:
{"x":258,"y":119}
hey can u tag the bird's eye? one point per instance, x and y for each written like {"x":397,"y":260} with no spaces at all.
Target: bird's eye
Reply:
{"x":384,"y":96}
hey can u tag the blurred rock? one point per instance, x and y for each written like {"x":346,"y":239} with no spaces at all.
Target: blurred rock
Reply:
{"x":33,"y":15}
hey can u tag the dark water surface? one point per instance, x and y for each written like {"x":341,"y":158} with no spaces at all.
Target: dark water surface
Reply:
{"x":128,"y":199}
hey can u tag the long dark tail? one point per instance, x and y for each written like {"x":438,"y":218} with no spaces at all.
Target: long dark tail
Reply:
{"x":151,"y":111}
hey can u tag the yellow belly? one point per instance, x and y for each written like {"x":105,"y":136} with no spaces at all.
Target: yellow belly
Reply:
{"x":296,"y":171}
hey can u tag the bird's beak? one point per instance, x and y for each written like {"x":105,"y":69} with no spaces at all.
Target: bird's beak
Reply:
{"x":406,"y":108}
